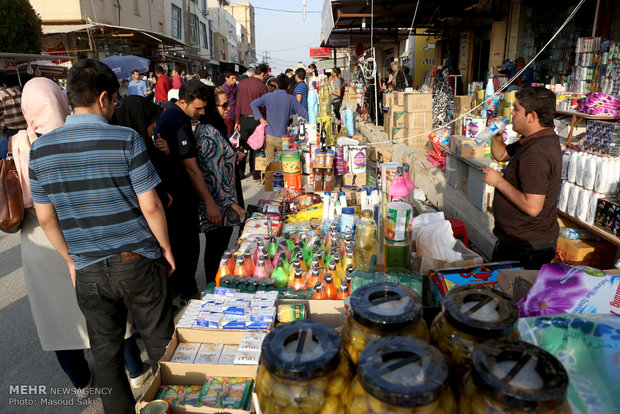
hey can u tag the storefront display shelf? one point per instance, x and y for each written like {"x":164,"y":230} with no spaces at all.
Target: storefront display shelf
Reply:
{"x":605,"y":234}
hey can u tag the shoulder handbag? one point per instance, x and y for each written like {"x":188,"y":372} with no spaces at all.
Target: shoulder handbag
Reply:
{"x":11,"y":201}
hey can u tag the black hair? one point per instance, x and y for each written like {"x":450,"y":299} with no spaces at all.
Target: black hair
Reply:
{"x":337,"y":70}
{"x":193,"y":89}
{"x":159,"y":69}
{"x":260,"y":69}
{"x":301,"y":73}
{"x":406,"y":70}
{"x":288,"y":70}
{"x":202,"y":74}
{"x":228,"y":73}
{"x":134,"y":71}
{"x":540,"y":100}
{"x":87,"y":79}
{"x":283,"y":81}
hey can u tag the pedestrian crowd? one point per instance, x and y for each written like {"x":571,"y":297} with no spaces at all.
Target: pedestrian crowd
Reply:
{"x":118,"y":190}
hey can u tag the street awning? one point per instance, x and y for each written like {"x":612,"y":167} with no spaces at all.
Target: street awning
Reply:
{"x":350,"y":20}
{"x":50,"y":29}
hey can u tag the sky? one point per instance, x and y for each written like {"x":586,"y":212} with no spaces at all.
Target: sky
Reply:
{"x":286,"y":37}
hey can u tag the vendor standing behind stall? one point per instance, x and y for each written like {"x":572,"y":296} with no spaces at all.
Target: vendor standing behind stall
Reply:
{"x":526,"y":196}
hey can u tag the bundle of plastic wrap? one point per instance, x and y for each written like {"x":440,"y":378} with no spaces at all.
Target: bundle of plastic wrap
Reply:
{"x":598,"y":103}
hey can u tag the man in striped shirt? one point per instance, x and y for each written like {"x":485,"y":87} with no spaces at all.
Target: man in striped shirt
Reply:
{"x":93,"y":186}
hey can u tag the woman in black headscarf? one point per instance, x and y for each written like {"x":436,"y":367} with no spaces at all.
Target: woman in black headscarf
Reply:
{"x":140,"y":114}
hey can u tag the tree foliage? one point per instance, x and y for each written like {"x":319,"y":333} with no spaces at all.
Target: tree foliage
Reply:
{"x":20,"y":27}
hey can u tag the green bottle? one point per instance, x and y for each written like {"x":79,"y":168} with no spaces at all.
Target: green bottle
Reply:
{"x":280,"y":274}
{"x":273,"y":248}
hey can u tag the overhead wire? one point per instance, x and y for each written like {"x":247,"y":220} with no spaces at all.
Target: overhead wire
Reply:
{"x":516,"y":76}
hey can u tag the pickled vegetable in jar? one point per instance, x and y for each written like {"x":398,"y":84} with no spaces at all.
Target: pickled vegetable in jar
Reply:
{"x":378,"y":310}
{"x":303,"y":370}
{"x":401,"y":375}
{"x":514,"y":377}
{"x":472,"y":314}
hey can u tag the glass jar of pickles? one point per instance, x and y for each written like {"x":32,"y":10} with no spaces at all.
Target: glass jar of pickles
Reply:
{"x":472,"y":314}
{"x":378,"y":310}
{"x":401,"y":375}
{"x":303,"y":370}
{"x":514,"y":377}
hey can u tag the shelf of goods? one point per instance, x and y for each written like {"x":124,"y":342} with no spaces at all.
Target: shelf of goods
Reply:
{"x":605,"y":234}
{"x":579,"y":116}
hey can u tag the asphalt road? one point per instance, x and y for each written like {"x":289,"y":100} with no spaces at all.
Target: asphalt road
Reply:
{"x":24,"y":363}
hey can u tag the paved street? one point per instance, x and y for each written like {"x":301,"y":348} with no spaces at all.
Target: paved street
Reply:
{"x":22,"y":362}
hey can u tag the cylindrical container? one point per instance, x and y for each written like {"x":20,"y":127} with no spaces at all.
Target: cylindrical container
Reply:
{"x":573,"y":197}
{"x":156,"y":407}
{"x":285,"y":142}
{"x":398,"y":214}
{"x":563,"y":198}
{"x":278,"y":184}
{"x":590,"y":173}
{"x":311,"y":135}
{"x":401,"y":375}
{"x":592,"y":205}
{"x":572,"y":167}
{"x":565,"y":163}
{"x":378,"y":310}
{"x":290,"y":313}
{"x":328,"y":179}
{"x":302,"y":370}
{"x":329,"y":159}
{"x":514,"y":377}
{"x":306,"y":160}
{"x":388,"y":172}
{"x":396,"y":254}
{"x":581,"y":212}
{"x":341,"y":162}
{"x":319,"y":158}
{"x":471,"y":315}
{"x":357,"y":159}
{"x":318,"y":179}
{"x":291,"y":165}
{"x":347,"y":220}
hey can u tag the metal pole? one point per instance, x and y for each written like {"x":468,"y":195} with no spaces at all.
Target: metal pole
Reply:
{"x":189,"y":35}
{"x":374,"y":81}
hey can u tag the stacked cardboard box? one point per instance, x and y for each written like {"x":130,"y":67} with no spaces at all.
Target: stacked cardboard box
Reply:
{"x":410,"y":115}
{"x":462,"y":104}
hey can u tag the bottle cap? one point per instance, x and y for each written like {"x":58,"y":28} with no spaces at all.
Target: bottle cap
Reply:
{"x":367,"y":214}
{"x":348,"y":210}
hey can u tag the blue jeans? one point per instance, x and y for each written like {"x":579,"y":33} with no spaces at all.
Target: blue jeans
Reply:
{"x":105,"y":291}
{"x":4,"y":147}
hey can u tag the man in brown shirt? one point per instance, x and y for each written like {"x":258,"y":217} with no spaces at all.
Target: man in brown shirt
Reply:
{"x":526,"y":196}
{"x":248,"y":90}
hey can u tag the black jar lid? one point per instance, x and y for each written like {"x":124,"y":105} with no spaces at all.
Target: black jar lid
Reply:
{"x":301,"y":350}
{"x":480,"y":311}
{"x":519,"y":375}
{"x":403,"y":371}
{"x":386,"y":307}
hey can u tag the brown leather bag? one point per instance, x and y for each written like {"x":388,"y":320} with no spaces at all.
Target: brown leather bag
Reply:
{"x":11,"y":201}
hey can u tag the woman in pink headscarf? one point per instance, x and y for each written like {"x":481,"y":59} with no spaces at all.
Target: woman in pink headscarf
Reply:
{"x":60,"y":323}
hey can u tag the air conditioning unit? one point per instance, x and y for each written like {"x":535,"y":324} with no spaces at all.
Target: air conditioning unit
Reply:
{"x":205,"y":12}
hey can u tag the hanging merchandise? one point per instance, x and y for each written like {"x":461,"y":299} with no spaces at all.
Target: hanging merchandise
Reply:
{"x":357,"y":159}
{"x":442,"y":98}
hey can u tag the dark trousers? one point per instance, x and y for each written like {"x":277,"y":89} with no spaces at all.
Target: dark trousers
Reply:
{"x":74,"y":363}
{"x":247,"y":125}
{"x":105,"y":291}
{"x":336,"y":107}
{"x":184,"y":234}
{"x":216,"y":244}
{"x":530,"y":257}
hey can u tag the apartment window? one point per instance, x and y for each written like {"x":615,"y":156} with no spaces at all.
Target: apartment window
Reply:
{"x":204,"y":35}
{"x":193,"y":28}
{"x":176,"y":22}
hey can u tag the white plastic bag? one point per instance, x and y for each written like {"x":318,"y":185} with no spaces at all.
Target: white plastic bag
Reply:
{"x":436,"y":240}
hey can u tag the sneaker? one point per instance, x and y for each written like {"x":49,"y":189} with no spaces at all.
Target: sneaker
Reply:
{"x":139,"y":381}
{"x":81,"y":393}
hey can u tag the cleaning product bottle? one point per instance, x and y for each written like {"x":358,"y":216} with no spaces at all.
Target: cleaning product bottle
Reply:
{"x":487,"y":109}
{"x":273,"y":247}
{"x":223,"y":270}
{"x":292,"y":269}
{"x":332,"y":270}
{"x":248,"y":263}
{"x":407,"y":177}
{"x":298,"y":280}
{"x":343,"y":291}
{"x":313,"y":278}
{"x":339,"y":269}
{"x":240,"y":267}
{"x":318,"y":291}
{"x":350,"y":259}
{"x":329,"y":290}
{"x":279,"y":274}
{"x":268,"y":265}
{"x":365,"y":241}
{"x":302,"y":262}
{"x":231,"y":261}
{"x":398,"y":189}
{"x":260,"y":271}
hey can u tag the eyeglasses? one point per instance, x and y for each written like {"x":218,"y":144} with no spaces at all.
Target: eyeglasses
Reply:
{"x":223,"y":105}
{"x":272,"y":86}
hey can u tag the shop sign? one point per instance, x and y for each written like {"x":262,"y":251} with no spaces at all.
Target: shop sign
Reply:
{"x":319,"y":52}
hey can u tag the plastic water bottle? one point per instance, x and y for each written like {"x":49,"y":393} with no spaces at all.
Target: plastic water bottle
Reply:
{"x":490,"y":131}
{"x":577,"y":234}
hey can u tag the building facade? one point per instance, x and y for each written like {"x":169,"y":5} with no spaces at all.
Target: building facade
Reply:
{"x":243,"y":12}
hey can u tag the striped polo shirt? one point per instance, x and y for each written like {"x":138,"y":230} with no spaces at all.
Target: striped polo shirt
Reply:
{"x":92,"y":172}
